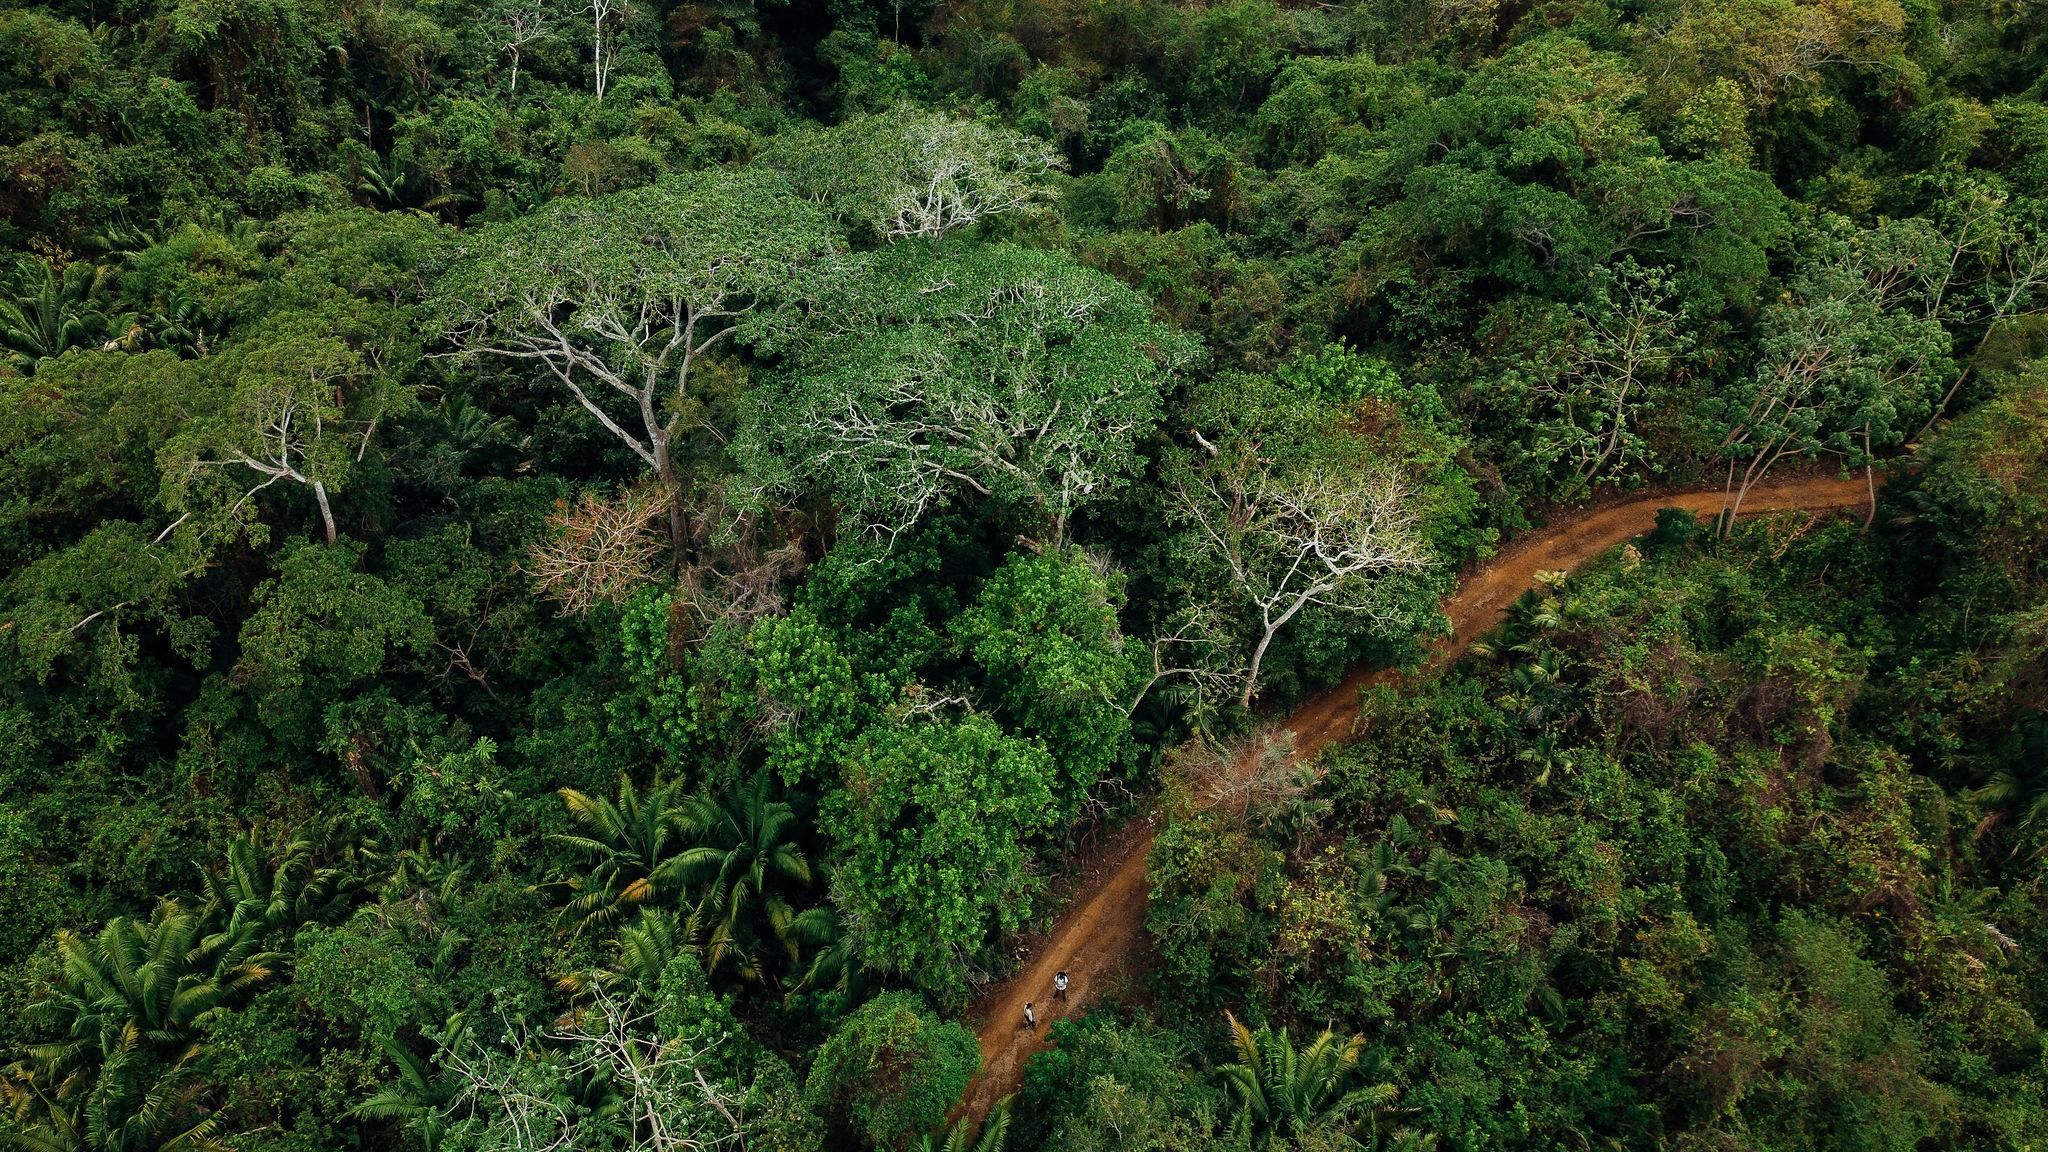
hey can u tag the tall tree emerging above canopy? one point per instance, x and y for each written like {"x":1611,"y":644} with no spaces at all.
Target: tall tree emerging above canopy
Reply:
{"x":1292,"y":508}
{"x":294,"y":403}
{"x":910,"y":173}
{"x":1015,"y":373}
{"x":628,"y":291}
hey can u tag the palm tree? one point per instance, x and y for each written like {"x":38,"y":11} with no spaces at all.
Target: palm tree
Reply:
{"x":468,"y":427}
{"x":1284,"y":1091}
{"x":1534,"y":617}
{"x":735,"y":877}
{"x":646,"y":945}
{"x":146,"y":981}
{"x":184,"y":326}
{"x":256,"y":895}
{"x":43,"y":311}
{"x":994,"y":1131}
{"x":2018,"y":788}
{"x":633,"y":847}
{"x":128,"y":1111}
{"x":837,"y":960}
{"x":127,"y":1008}
{"x":744,"y":855}
{"x":1546,"y":755}
{"x":387,"y":182}
{"x":416,"y":1099}
{"x":1536,"y":688}
{"x":123,"y":241}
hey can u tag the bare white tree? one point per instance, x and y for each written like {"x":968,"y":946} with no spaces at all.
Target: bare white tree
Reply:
{"x":1008,"y":372}
{"x":290,"y":435}
{"x":1855,"y":352}
{"x":951,"y":173}
{"x":1866,"y":337}
{"x":1187,"y":648}
{"x":1292,"y":539}
{"x":1604,"y":371}
{"x":918,"y":430}
{"x":605,"y":18}
{"x":522,"y":24}
{"x":513,"y":1096}
{"x":630,"y":291}
{"x":912,"y":173}
{"x":2016,"y":274}
{"x":290,"y":410}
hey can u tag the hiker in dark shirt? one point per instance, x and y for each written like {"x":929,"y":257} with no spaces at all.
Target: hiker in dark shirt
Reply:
{"x":1030,"y":1018}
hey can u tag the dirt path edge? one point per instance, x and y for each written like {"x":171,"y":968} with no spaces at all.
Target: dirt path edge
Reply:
{"x":1103,"y":928}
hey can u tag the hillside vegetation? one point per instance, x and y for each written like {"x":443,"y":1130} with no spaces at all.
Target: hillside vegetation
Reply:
{"x":572,"y":576}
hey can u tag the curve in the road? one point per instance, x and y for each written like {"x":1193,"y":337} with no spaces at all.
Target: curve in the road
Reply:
{"x":1103,"y":927}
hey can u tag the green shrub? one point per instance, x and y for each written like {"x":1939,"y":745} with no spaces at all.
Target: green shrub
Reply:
{"x":891,"y":1072}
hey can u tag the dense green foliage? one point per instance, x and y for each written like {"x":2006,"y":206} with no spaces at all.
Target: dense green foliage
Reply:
{"x":891,"y":1070}
{"x":1658,"y":861}
{"x":569,"y":574}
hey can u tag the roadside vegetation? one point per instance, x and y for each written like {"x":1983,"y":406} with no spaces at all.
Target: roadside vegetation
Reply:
{"x":569,"y":576}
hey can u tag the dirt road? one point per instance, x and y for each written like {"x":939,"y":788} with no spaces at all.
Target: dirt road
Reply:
{"x":1102,"y":930}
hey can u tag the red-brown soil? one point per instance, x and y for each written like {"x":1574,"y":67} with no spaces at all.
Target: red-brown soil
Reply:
{"x":1101,"y":934}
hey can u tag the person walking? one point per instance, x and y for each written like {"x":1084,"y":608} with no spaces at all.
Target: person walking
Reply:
{"x":1059,"y":986}
{"x":1030,"y":1017}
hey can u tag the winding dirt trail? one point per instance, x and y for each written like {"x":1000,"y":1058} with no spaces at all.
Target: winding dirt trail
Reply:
{"x":1101,"y":935}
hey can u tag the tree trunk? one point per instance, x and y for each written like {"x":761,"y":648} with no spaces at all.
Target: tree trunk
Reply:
{"x":1943,"y":406}
{"x":1870,"y":480}
{"x":1766,"y":459}
{"x":1721,"y":519}
{"x":678,"y":520}
{"x":326,"y":513}
{"x":1750,"y":478}
{"x":1251,"y":676}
